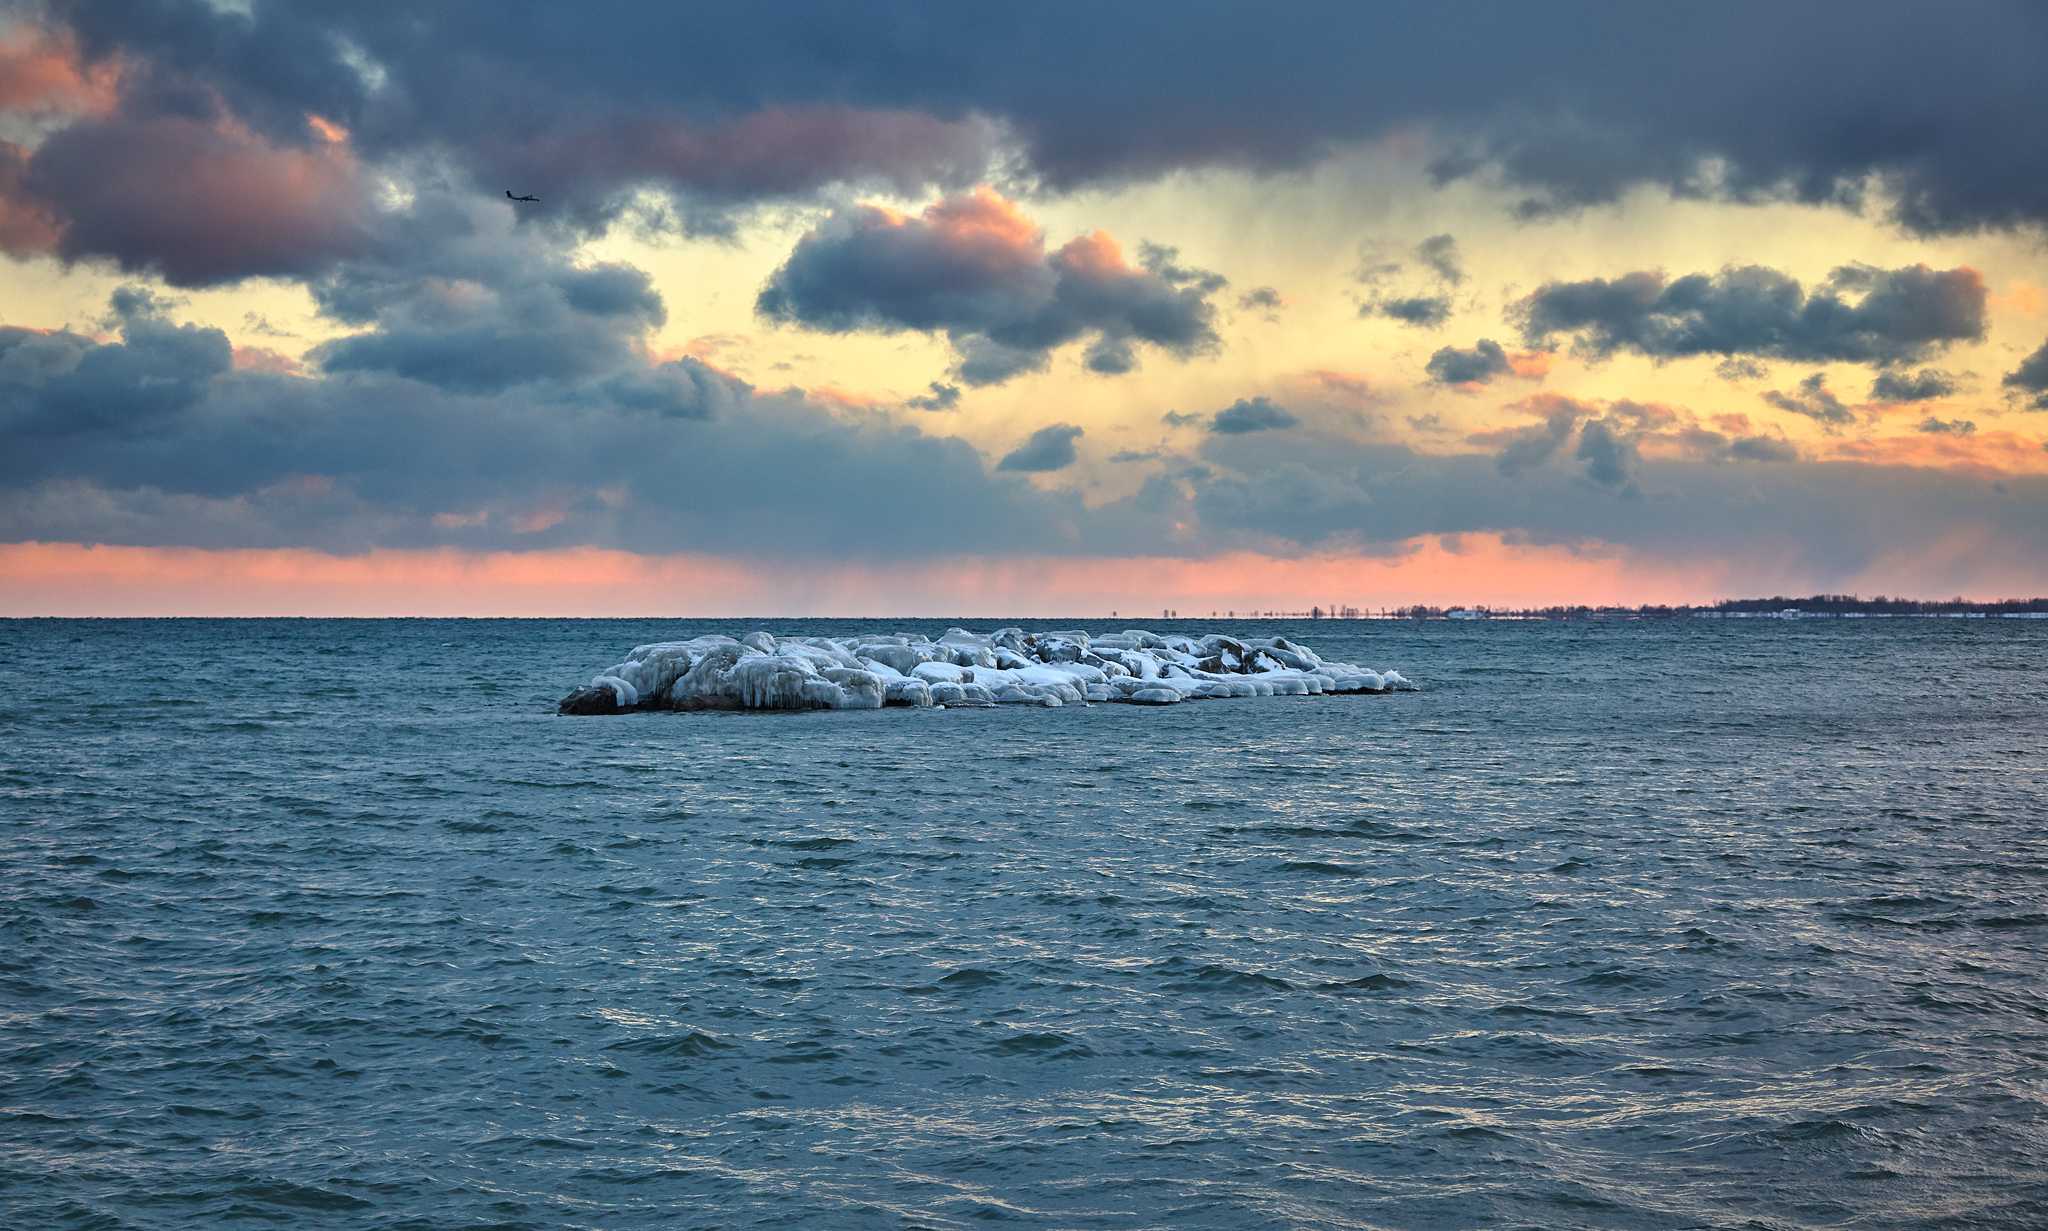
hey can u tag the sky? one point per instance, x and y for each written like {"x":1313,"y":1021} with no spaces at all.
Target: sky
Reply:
{"x":1041,"y":310}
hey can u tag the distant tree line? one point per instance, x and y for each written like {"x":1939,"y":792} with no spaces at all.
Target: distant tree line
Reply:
{"x":1817,"y":604}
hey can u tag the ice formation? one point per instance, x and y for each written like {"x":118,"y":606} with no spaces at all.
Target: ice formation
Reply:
{"x":1006,"y":667}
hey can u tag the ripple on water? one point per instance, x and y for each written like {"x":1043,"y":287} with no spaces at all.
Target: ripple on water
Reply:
{"x":1643,"y":926}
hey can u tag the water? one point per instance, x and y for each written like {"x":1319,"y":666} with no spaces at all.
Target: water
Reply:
{"x":1631,"y":925}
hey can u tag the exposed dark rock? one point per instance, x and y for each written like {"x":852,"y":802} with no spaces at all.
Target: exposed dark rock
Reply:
{"x":593,"y":701}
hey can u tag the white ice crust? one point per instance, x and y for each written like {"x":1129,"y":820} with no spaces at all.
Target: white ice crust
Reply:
{"x":1006,"y":667}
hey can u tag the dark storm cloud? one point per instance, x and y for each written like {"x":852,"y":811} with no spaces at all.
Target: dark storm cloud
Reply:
{"x":154,"y":439}
{"x":466,"y":300}
{"x":976,"y":269}
{"x":717,"y":105}
{"x":58,"y":383}
{"x":1476,"y":365}
{"x":1814,"y":400}
{"x":2031,"y":377}
{"x":1050,"y":448}
{"x":564,"y":324}
{"x":1251,"y":415}
{"x":578,"y":113}
{"x":1828,"y":519}
{"x":1893,"y":388}
{"x":1899,"y":315}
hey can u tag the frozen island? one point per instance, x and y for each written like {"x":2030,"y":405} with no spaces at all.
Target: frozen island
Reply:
{"x":1006,"y":667}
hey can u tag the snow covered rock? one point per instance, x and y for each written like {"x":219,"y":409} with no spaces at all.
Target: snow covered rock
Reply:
{"x":962,"y":668}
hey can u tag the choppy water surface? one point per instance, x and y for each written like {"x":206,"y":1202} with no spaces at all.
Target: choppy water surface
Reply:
{"x":1614,"y":925}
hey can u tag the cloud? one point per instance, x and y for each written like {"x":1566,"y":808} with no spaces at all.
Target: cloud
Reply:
{"x":1261,"y":299}
{"x":495,"y":393}
{"x":585,"y":166}
{"x":152,"y":438}
{"x":1610,"y":436}
{"x":1947,"y":427}
{"x":1901,"y":315}
{"x":1568,"y":109}
{"x":226,"y":97}
{"x":1049,"y":448}
{"x":1609,"y":450}
{"x":1287,"y":500}
{"x":1523,"y":449}
{"x":975,"y":268}
{"x":198,"y":201}
{"x":471,"y":302}
{"x":2031,"y":377}
{"x":941,"y":397}
{"x":1440,"y":253}
{"x":1251,"y":415}
{"x":1814,"y":400}
{"x":1703,"y":445}
{"x":1823,"y":519}
{"x":1429,"y":311}
{"x":683,"y":388}
{"x":1893,"y":388}
{"x":399,"y":440}
{"x":1476,"y":365}
{"x":59,"y":384}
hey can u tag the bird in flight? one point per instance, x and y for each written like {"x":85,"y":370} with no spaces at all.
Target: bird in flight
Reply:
{"x":508,"y":192}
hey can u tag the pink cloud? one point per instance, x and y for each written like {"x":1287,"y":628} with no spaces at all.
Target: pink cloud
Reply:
{"x":202,"y":202}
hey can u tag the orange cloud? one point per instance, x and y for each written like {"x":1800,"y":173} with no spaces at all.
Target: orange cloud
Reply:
{"x":1000,"y":232}
{"x":1095,"y":254}
{"x":847,"y":399}
{"x":333,"y":133}
{"x":1982,"y":454}
{"x":2025,"y":299}
{"x":1349,"y":388}
{"x":264,"y":359}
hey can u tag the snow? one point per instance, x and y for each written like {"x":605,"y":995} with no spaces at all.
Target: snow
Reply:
{"x":962,"y":668}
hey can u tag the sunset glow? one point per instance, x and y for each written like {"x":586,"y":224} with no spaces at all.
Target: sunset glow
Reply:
{"x":1008,"y":336}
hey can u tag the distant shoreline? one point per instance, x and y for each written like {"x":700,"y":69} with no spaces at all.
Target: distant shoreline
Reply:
{"x":1819,"y":606}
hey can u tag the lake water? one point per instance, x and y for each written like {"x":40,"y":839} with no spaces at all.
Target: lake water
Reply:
{"x":1614,"y":924}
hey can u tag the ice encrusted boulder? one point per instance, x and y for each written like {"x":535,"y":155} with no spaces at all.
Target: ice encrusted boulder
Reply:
{"x":1007,"y":667}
